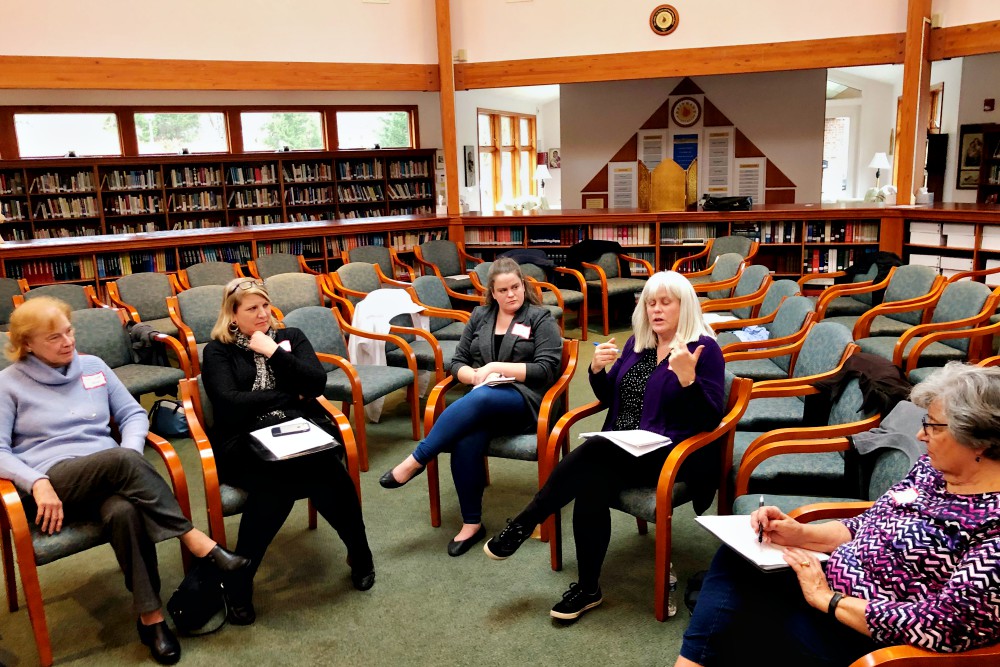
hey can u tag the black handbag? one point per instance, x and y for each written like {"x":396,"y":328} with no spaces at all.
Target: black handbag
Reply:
{"x":710,"y":203}
{"x":198,"y":606}
{"x":166,"y":418}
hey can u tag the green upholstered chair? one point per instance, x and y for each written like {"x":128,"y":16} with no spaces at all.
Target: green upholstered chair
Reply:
{"x":447,"y":261}
{"x":779,"y":403}
{"x":385,"y":258}
{"x":559,"y":299}
{"x":479,"y":277}
{"x":35,"y":548}
{"x":714,"y":248}
{"x":655,"y":504}
{"x":101,"y":332}
{"x":774,"y":358}
{"x":916,"y":372}
{"x":534,"y":278}
{"x":208,"y":273}
{"x":724,"y":276}
{"x":9,"y":288}
{"x":144,"y":297}
{"x":777,"y":292}
{"x":194,"y":312}
{"x":604,"y":278}
{"x":352,"y":384}
{"x":854,"y":298}
{"x":432,"y":295}
{"x":4,"y":361}
{"x":273,"y":264}
{"x":909,"y":285}
{"x":746,"y":296}
{"x":78,"y":297}
{"x":289,"y":291}
{"x":962,"y":305}
{"x":222,"y":500}
{"x":356,"y":280}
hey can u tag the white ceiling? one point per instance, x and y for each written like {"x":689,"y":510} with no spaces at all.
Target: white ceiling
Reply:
{"x":891,"y":74}
{"x":537,"y":94}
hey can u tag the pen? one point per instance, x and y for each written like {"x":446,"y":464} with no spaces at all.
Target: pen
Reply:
{"x":760,"y":526}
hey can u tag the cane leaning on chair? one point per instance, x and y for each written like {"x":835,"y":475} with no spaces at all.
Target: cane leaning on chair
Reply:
{"x":56,"y":445}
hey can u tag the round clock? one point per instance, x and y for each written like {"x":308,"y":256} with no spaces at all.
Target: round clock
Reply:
{"x":664,"y":19}
{"x":686,"y":111}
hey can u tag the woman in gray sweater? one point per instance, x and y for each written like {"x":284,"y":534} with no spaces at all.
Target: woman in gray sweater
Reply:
{"x":56,"y":446}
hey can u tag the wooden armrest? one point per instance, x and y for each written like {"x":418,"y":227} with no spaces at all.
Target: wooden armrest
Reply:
{"x":863,"y":325}
{"x":603,"y":277}
{"x":386,"y":280}
{"x":396,"y":261}
{"x":466,"y":257}
{"x":575,"y":274}
{"x":757,"y":454}
{"x":348,"y":441}
{"x":822,"y":511}
{"x":540,"y":284}
{"x":728,"y":283}
{"x":690,"y":259}
{"x":850,"y":289}
{"x":933,"y":327}
{"x":766,"y":349}
{"x":174,"y":470}
{"x":750,"y":321}
{"x":305,"y":266}
{"x":431,"y":340}
{"x":817,"y":276}
{"x":561,"y":430}
{"x":186,"y":335}
{"x":914,"y":356}
{"x":638,"y":260}
{"x":183,"y":360}
{"x":435,"y":400}
{"x":115,"y":297}
{"x":447,"y":313}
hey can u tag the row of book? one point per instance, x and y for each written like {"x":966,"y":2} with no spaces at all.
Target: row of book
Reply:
{"x":307,"y":172}
{"x":836,"y":231}
{"x":360,"y":193}
{"x":42,"y":271}
{"x":196,"y":223}
{"x":132,"y":179}
{"x":358,"y":213}
{"x":11,"y":183}
{"x":409,"y":169}
{"x":777,"y":231}
{"x":252,"y":175}
{"x":15,"y":209}
{"x":315,"y":216}
{"x":822,"y":260}
{"x":250,"y":220}
{"x":235,"y":253}
{"x":623,"y":234}
{"x":127,"y":263}
{"x":132,"y":227}
{"x":309,"y":247}
{"x":555,"y":235}
{"x":396,"y":209}
{"x":993,"y":178}
{"x":133,"y":204}
{"x":15,"y":234}
{"x":352,"y":241}
{"x":64,"y":232}
{"x":195,"y":177}
{"x":359,"y":169}
{"x":410,"y":191}
{"x":209,"y":200}
{"x":256,"y":198}
{"x":308,"y":195}
{"x":512,"y":236}
{"x":405,"y":241}
{"x":53,"y":182}
{"x":57,"y":208}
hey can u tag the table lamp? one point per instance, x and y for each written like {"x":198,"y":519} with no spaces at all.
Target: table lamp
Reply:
{"x":879,"y":162}
{"x":541,"y":174}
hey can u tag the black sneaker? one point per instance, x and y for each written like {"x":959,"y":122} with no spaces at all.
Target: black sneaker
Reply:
{"x":506,"y":543}
{"x":575,"y":602}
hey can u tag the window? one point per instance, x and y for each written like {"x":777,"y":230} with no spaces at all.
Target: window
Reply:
{"x":365,"y":129}
{"x":57,"y":134}
{"x":273,"y":130}
{"x":836,"y":144}
{"x":172,"y":132}
{"x":507,"y":159}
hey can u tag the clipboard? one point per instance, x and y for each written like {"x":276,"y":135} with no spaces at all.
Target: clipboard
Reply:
{"x":735,"y":531}
{"x":278,"y":448}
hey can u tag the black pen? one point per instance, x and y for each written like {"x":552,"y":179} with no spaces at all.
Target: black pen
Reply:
{"x":760,"y":526}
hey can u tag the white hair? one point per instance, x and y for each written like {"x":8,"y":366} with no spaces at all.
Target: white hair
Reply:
{"x":690,"y":322}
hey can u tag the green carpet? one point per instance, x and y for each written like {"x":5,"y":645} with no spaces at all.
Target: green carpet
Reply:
{"x":426,"y":608}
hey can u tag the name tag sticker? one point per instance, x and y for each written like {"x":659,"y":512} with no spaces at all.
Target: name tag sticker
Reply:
{"x":522,"y":330}
{"x":903,"y":497}
{"x":285,"y":345}
{"x":94,"y":380}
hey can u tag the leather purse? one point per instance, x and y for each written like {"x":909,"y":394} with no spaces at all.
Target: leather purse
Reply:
{"x":711,"y":203}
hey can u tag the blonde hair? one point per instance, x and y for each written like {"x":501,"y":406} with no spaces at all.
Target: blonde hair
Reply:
{"x":502,"y":266}
{"x":234,"y":294}
{"x":31,"y":317}
{"x":690,"y":322}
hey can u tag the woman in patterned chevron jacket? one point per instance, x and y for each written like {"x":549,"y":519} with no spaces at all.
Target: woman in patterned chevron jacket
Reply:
{"x":920,"y":567}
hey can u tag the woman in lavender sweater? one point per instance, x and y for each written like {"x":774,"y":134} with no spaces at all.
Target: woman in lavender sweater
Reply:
{"x":56,"y":446}
{"x":921,"y":567}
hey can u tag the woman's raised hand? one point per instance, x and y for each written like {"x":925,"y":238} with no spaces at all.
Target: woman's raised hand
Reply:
{"x":261,"y":343}
{"x":683,"y":362}
{"x":50,"y":508}
{"x":604,"y":354}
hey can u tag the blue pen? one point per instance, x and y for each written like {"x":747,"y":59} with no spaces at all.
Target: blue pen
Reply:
{"x":760,"y":526}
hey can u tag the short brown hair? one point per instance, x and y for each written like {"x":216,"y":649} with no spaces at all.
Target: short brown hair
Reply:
{"x":34,"y":315}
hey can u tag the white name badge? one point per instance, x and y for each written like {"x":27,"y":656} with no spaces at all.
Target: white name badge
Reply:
{"x":94,"y":380}
{"x":285,"y":345}
{"x":522,"y":330}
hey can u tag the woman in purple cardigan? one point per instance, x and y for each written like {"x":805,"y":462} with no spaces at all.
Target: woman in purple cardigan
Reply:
{"x":669,"y":380}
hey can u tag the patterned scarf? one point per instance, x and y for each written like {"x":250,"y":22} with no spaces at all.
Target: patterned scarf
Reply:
{"x":264,"y":379}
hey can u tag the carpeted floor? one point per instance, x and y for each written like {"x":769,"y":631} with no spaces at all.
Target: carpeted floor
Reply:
{"x":426,"y":608}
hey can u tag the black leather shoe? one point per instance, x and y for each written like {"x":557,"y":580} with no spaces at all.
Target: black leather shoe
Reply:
{"x":457,"y":548}
{"x":240,"y":613}
{"x":162,"y":642}
{"x":363,"y":580}
{"x":237,"y":584}
{"x":389,"y":482}
{"x":225,"y":560}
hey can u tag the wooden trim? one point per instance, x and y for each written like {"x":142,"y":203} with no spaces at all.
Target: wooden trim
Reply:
{"x":773,"y":57}
{"x":127,"y":137}
{"x":8,"y":138}
{"x":965,"y":40}
{"x":58,"y":72}
{"x":911,"y":133}
{"x":234,"y":125}
{"x":449,"y":134}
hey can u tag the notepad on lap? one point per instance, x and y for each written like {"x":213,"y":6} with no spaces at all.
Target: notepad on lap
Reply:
{"x":636,"y":443}
{"x":274,"y":448}
{"x":736,"y":532}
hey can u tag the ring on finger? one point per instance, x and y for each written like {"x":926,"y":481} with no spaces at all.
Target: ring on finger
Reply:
{"x":804,"y":563}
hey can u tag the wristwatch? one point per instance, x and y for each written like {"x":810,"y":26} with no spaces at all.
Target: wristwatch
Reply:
{"x":834,"y":601}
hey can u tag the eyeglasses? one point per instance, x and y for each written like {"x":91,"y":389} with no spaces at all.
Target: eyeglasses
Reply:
{"x":926,"y":424}
{"x":246,"y":284}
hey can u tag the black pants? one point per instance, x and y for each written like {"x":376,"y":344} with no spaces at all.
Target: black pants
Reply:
{"x":592,"y":474}
{"x":119,"y":488}
{"x":273,"y":488}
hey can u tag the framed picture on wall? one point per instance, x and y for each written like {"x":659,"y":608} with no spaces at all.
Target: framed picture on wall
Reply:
{"x":555,"y":161}
{"x":469,"y":153}
{"x":970,"y":157}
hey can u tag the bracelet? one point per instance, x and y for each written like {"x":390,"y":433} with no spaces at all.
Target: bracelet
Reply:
{"x":834,"y":601}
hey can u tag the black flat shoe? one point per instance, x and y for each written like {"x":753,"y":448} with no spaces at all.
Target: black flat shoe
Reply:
{"x":162,"y":643}
{"x":389,"y":482}
{"x":457,"y":548}
{"x":225,"y":560}
{"x":363,"y":580}
{"x":237,"y":584}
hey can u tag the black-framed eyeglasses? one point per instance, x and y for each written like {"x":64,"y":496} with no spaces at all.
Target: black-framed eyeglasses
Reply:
{"x":926,"y":424}
{"x":246,"y":284}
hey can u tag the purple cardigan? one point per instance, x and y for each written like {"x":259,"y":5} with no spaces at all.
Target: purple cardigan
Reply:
{"x":667,"y":408}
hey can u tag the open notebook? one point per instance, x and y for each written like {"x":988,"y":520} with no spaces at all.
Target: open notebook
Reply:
{"x":736,"y":532}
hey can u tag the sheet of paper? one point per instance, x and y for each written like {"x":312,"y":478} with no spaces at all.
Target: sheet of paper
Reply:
{"x":636,"y":442}
{"x":285,"y":446}
{"x":495,"y":381}
{"x":712,"y":318}
{"x":736,"y":532}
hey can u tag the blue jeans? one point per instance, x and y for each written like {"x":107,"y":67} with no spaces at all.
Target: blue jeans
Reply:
{"x":742,"y":612}
{"x":464,"y":429}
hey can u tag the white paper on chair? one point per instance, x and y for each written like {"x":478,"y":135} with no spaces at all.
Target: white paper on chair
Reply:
{"x":286,"y":446}
{"x":636,"y":442}
{"x":713,"y":318}
{"x":457,"y":276}
{"x":736,"y":532}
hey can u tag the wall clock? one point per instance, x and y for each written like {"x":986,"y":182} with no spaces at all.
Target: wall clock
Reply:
{"x":664,"y":19}
{"x":686,"y":112}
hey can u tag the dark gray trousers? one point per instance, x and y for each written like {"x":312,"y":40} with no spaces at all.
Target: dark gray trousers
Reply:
{"x":122,"y":490}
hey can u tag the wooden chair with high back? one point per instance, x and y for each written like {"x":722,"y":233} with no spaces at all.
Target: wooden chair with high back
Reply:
{"x":385,"y":258}
{"x":446,"y":260}
{"x":77,"y":296}
{"x":741,"y":245}
{"x":605,"y":278}
{"x":144,"y":297}
{"x":276,"y":263}
{"x":208,"y":273}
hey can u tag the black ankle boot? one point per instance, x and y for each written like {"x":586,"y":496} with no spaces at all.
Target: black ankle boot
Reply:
{"x":236,"y":574}
{"x":225,"y":560}
{"x":162,"y":643}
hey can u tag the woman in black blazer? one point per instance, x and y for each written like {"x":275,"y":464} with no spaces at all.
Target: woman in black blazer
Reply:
{"x":512,"y":337}
{"x":258,"y":375}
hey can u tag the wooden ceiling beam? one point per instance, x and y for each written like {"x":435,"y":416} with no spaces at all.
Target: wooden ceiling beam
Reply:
{"x":965,"y":40}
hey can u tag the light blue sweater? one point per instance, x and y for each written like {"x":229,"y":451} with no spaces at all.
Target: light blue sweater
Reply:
{"x":47,"y":417}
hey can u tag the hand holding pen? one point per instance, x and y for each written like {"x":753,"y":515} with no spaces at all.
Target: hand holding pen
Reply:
{"x":760,"y":528}
{"x":604,"y":354}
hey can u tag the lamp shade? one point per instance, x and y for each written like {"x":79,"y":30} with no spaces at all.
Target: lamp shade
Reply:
{"x":542,"y":172}
{"x":880,"y":161}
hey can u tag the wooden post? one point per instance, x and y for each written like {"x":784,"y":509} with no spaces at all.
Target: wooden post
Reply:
{"x":448,"y":132}
{"x":911,"y":133}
